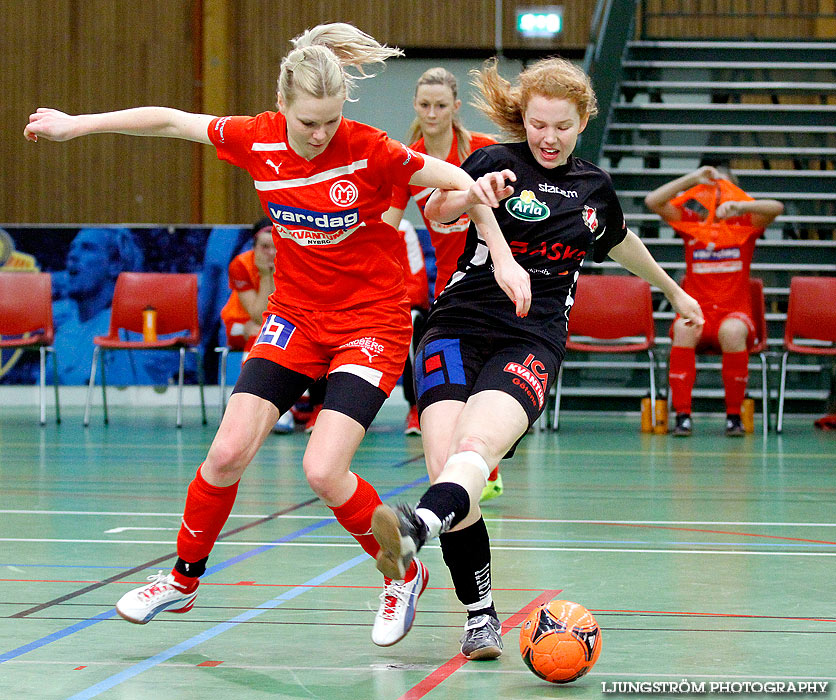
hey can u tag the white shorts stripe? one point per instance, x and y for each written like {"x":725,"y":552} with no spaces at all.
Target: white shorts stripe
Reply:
{"x":372,"y":376}
{"x":324,"y":176}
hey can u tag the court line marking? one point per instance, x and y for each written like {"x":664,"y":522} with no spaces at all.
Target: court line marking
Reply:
{"x":599,"y":550}
{"x":443,"y":672}
{"x":481,"y":669}
{"x":212,"y":632}
{"x":510,"y":519}
{"x":212,"y":569}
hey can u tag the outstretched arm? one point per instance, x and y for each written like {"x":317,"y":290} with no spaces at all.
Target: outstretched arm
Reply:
{"x":53,"y":125}
{"x":509,"y":274}
{"x":634,"y":256}
{"x":448,"y":205}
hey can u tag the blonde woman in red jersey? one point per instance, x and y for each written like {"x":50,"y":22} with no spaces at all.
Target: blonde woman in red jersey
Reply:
{"x":438,"y":131}
{"x":325,"y":182}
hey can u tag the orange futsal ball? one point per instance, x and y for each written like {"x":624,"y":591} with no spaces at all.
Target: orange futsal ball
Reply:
{"x":560,"y":641}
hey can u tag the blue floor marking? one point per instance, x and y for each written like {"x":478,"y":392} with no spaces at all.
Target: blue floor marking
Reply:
{"x":77,"y":627}
{"x":206,"y":635}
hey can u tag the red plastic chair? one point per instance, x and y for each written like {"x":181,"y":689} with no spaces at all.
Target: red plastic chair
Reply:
{"x":610,"y":314}
{"x":174,"y":296}
{"x":26,"y":317}
{"x":811,"y":318}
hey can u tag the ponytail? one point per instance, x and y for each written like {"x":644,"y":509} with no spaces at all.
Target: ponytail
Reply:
{"x":320,"y":56}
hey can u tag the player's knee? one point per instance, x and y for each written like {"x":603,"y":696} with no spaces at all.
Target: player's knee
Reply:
{"x":686,"y":336}
{"x":226,"y":460}
{"x":321,"y":476}
{"x":471,"y":451}
{"x":732,"y":335}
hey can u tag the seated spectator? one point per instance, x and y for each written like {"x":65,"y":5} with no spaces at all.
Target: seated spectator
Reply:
{"x":719,"y":223}
{"x":251,"y":282}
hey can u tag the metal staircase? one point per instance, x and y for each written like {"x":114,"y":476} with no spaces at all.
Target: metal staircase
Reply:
{"x":767,"y":108}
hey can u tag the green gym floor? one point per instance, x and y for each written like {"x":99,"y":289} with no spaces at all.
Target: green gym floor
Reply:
{"x":703,"y":559}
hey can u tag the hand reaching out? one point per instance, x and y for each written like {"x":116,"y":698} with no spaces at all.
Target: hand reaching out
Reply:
{"x":687,"y":307}
{"x":490,"y":188}
{"x":51,"y":125}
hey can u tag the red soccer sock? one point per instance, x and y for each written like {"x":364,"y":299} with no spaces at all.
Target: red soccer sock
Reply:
{"x":206,"y":512}
{"x":735,"y":377}
{"x":355,"y":515}
{"x":682,"y":373}
{"x":494,"y":474}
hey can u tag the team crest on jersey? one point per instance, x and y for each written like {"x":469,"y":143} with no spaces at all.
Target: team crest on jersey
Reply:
{"x":343,"y":193}
{"x":527,"y":207}
{"x":590,"y":218}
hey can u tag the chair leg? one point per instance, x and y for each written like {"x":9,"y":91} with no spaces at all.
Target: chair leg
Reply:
{"x":222,"y":381}
{"x":104,"y":386}
{"x":765,"y":395}
{"x":652,"y":376}
{"x":780,"y":427}
{"x":51,"y":350}
{"x":42,"y":383}
{"x":557,"y":388}
{"x":180,"y":388}
{"x":90,"y":386}
{"x":201,"y":380}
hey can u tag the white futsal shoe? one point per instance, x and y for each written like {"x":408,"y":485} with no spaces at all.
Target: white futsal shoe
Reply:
{"x":140,"y":605}
{"x":397,"y":607}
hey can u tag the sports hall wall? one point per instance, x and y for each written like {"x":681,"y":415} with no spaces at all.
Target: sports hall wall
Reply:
{"x":221,"y":57}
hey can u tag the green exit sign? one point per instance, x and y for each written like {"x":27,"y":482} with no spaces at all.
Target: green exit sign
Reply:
{"x":540,"y":22}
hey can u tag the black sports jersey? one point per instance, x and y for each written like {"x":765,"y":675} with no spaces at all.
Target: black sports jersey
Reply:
{"x":554,"y":219}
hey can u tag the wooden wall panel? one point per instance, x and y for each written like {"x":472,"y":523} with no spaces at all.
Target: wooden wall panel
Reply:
{"x":738,"y":19}
{"x":90,"y":56}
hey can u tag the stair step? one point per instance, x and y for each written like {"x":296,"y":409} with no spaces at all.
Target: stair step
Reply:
{"x":795,"y":196}
{"x":707,"y":114}
{"x":736,"y":65}
{"x":746,"y":128}
{"x":741,"y":151}
{"x":783,"y":219}
{"x":818,"y":181}
{"x":711,"y":86}
{"x":761,"y":51}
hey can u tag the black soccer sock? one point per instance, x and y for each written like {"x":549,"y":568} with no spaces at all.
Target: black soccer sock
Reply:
{"x":448,"y":502}
{"x":467,"y":554}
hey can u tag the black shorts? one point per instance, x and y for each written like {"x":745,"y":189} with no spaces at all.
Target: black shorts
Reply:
{"x":345,"y":392}
{"x":454,"y":366}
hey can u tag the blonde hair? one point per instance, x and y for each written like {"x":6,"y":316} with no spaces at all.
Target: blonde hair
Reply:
{"x":442,"y":76}
{"x":320,"y":56}
{"x":504,"y":104}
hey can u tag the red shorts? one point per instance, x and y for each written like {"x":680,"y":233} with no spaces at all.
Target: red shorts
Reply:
{"x":713,"y":320}
{"x":371,"y":342}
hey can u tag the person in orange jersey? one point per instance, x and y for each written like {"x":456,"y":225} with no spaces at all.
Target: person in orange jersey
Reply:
{"x":719,"y":223}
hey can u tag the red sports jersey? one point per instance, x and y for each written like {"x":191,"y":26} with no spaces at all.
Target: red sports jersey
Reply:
{"x":332,"y":249}
{"x":447,"y":239}
{"x":243,"y":276}
{"x":718,"y":253}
